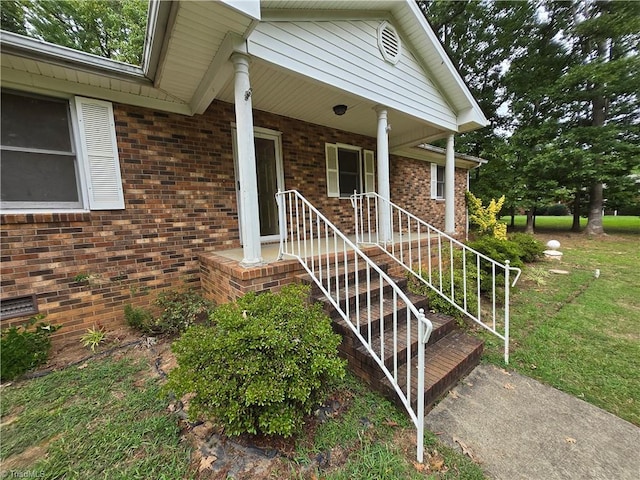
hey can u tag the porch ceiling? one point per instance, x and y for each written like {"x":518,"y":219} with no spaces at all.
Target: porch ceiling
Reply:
{"x":291,"y":95}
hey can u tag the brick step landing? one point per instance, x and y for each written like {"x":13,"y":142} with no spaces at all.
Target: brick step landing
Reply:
{"x":446,"y":362}
{"x":450,"y":353}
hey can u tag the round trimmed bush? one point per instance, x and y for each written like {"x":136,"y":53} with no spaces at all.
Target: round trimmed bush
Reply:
{"x":262,"y":364}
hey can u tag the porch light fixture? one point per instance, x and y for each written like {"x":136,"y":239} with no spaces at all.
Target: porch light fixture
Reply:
{"x":339,"y":109}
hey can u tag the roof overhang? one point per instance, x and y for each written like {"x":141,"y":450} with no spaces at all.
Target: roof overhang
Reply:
{"x":186,"y":65}
{"x":437,"y":155}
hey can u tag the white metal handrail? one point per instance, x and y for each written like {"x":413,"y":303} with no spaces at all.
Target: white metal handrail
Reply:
{"x":342,"y":271}
{"x":434,"y":258}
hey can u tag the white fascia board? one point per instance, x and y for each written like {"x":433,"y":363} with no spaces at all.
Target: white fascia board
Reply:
{"x":319,"y":15}
{"x":157,"y":23}
{"x":471,"y":119}
{"x":250,"y":8}
{"x":24,"y":81}
{"x":161,"y":39}
{"x":39,"y":50}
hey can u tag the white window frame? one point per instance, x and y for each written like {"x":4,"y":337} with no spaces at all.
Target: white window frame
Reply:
{"x":276,"y":137}
{"x":366,"y":169}
{"x":97,"y":164}
{"x":434,"y":181}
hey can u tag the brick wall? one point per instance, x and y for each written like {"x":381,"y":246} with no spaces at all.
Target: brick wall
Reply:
{"x":179,"y":189}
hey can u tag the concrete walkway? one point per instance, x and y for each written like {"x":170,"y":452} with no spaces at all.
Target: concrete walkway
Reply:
{"x":518,"y":428}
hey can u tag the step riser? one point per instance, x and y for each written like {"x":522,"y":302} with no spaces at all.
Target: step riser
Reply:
{"x":360,"y":299}
{"x":361,"y":273}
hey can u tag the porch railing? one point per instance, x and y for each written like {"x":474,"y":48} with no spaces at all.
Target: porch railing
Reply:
{"x":473,"y":283}
{"x":343,"y":272}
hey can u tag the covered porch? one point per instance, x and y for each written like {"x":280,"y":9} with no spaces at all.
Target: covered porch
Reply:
{"x":380,"y":74}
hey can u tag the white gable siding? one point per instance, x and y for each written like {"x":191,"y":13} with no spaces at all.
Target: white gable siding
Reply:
{"x":345,"y":54}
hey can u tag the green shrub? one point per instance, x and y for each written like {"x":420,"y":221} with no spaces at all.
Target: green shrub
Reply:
{"x":181,"y":309}
{"x":178,"y":311}
{"x":262,"y":364}
{"x":556,"y":210}
{"x":498,"y":250}
{"x":530,"y":248}
{"x":436,"y":302}
{"x":138,"y":318}
{"x":25,"y":347}
{"x":486,"y":219}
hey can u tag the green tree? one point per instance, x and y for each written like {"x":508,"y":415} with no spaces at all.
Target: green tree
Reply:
{"x":600,"y":90}
{"x":559,"y":82}
{"x":12,"y":16}
{"x":481,"y":38}
{"x":112,"y":29}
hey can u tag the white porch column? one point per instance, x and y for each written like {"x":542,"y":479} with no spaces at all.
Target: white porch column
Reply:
{"x":249,"y":218}
{"x":449,"y":188}
{"x":384,"y":190}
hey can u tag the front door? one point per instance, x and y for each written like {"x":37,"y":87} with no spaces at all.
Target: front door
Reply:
{"x":270,"y":178}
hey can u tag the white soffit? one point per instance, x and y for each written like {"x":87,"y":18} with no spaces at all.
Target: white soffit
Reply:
{"x":195,"y":33}
{"x":37,"y":66}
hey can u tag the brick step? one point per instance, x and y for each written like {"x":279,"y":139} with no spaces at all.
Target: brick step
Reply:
{"x":442,"y":325}
{"x":351,"y":296}
{"x":351,"y":271}
{"x":446,"y":362}
{"x":343,"y":280}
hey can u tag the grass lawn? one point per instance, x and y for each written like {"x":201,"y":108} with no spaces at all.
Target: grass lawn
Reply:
{"x":577,"y":332}
{"x":612,"y":224}
{"x":108,"y":420}
{"x":105,"y":420}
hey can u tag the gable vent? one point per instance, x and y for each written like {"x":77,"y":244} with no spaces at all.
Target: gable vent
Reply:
{"x":389,"y":43}
{"x":18,"y":306}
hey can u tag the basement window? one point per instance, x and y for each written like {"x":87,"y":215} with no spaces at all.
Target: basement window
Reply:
{"x":18,"y":307}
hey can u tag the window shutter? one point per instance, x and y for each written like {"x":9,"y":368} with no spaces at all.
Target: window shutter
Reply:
{"x":434,"y":181}
{"x":100,"y":154}
{"x":333,"y":184}
{"x":369,"y":172}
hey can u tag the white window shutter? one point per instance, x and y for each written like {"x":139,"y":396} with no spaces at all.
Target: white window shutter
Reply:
{"x":333,"y":173}
{"x":434,"y":181}
{"x":369,"y":172}
{"x":100,"y":154}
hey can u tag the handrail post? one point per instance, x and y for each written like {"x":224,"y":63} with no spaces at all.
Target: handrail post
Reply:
{"x":420,"y":387}
{"x":506,"y":311}
{"x":282,"y":220}
{"x":354,"y":202}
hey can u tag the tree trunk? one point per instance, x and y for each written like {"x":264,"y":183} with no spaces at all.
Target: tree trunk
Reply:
{"x":575,"y":226}
{"x":596,"y":200}
{"x":529,"y":227}
{"x":594,"y":222}
{"x":513,"y":217}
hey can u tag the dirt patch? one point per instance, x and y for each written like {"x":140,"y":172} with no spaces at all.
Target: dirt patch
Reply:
{"x":65,"y":354}
{"x":27,"y":457}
